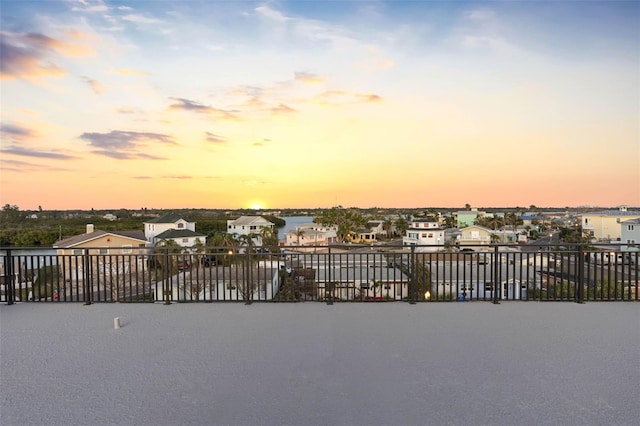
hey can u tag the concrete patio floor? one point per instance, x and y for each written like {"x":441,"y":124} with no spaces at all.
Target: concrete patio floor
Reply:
{"x":517,"y":363}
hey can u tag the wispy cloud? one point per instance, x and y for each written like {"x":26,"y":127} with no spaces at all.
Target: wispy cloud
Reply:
{"x":180,"y":177}
{"x":27,"y":56}
{"x":215,"y":139}
{"x":26,"y":152}
{"x":128,"y":110}
{"x":25,"y":167}
{"x":96,"y":86}
{"x":90,"y":7}
{"x":305,"y":28}
{"x":16,"y":132}
{"x":32,"y":55}
{"x":483,"y":29}
{"x":183,"y":104}
{"x":126,"y":145}
{"x":341,"y":97}
{"x":282,"y":109}
{"x":306,"y":77}
{"x":141,"y":19}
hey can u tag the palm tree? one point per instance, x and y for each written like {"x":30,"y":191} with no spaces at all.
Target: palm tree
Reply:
{"x":387,"y":225}
{"x":299,"y":233}
{"x":495,"y":222}
{"x":402,"y":225}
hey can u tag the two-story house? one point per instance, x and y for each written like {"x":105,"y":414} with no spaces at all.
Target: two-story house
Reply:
{"x":173,"y":227}
{"x":312,"y":234}
{"x":630,"y":234}
{"x":425,"y":234}
{"x":474,"y":235}
{"x":249,"y":225}
{"x":605,"y":225}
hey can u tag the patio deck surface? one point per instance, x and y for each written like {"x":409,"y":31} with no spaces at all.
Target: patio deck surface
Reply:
{"x":517,"y":363}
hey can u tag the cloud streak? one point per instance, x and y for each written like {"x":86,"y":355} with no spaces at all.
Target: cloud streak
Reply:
{"x":16,"y":132}
{"x":214,"y":139}
{"x":305,"y":77}
{"x":25,"y":152}
{"x":27,"y":56}
{"x":182,"y":104}
{"x":24,"y":166}
{"x":126,"y":145}
{"x":342,"y":97}
{"x":96,"y":86}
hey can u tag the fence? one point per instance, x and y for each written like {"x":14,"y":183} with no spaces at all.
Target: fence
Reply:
{"x":340,"y":273}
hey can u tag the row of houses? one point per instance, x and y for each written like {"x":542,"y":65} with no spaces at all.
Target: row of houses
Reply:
{"x":621,"y":225}
{"x":157,"y":232}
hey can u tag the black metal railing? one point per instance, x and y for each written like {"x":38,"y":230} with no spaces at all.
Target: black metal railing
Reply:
{"x":339,"y":273}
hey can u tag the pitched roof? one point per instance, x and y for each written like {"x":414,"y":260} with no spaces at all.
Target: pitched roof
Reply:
{"x":83,"y":238}
{"x":167,"y":218}
{"x":613,"y":213}
{"x":177,"y":233}
{"x":251,"y":220}
{"x":477,"y":226}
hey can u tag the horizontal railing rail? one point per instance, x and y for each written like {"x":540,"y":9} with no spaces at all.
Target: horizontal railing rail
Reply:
{"x":337,"y":273}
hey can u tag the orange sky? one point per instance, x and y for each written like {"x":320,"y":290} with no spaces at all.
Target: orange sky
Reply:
{"x":303,"y":104}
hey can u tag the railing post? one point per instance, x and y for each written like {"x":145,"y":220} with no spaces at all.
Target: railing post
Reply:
{"x":88,"y":286}
{"x":412,"y":275}
{"x":329,"y":284}
{"x":497,"y":285}
{"x":166,"y":288}
{"x":9,"y":278}
{"x":579,"y":296}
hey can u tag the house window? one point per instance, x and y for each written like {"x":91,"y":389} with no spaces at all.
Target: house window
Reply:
{"x":103,"y":251}
{"x":630,"y":228}
{"x":424,"y":235}
{"x":231,"y":286}
{"x":180,"y":225}
{"x":127,"y":249}
{"x":185,"y":240}
{"x":430,"y":235}
{"x":253,"y":227}
{"x":78,"y":252}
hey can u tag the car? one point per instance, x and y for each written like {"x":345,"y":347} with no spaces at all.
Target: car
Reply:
{"x":183,"y":265}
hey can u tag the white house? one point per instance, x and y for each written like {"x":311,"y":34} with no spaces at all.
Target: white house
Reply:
{"x":425,"y":234}
{"x":173,"y":227}
{"x":630,"y":234}
{"x":377,"y":227}
{"x":311,"y":234}
{"x":246,"y":225}
{"x":605,"y":225}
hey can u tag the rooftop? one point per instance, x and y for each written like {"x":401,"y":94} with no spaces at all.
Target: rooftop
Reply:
{"x":313,"y":364}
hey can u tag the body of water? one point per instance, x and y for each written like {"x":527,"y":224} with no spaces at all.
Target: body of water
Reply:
{"x":292,"y":222}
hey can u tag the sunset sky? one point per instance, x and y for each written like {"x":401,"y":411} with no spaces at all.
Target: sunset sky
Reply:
{"x":276,"y":104}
